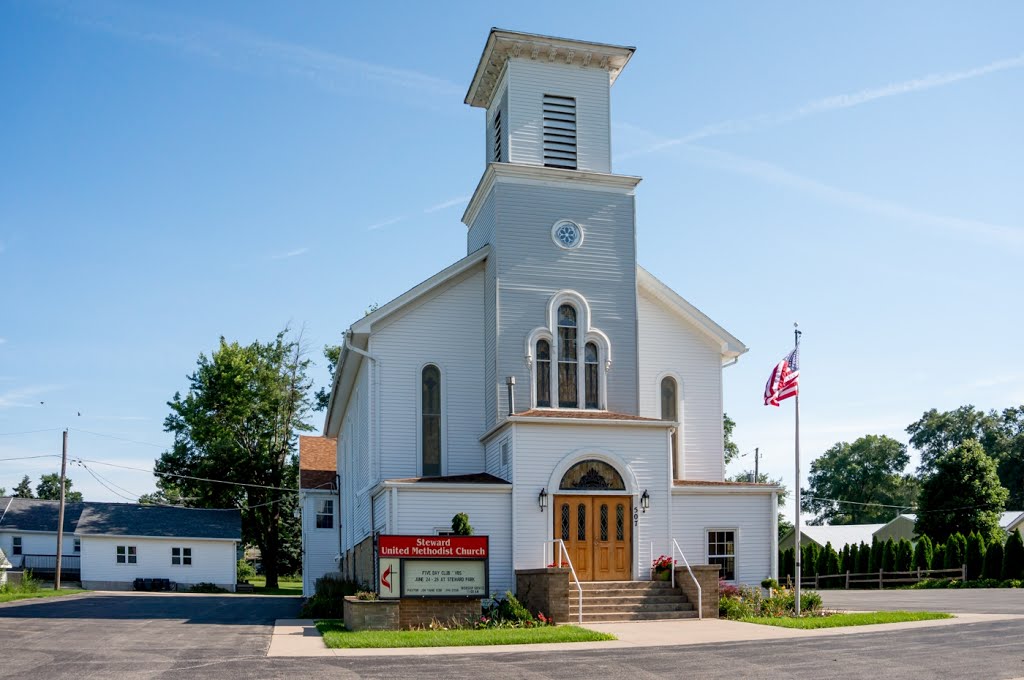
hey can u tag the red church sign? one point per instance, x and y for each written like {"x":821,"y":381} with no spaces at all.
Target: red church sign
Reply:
{"x":432,"y":566}
{"x":433,"y":547}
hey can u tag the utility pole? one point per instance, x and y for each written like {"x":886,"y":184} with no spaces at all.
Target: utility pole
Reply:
{"x":756,"y":472}
{"x":60,"y":514}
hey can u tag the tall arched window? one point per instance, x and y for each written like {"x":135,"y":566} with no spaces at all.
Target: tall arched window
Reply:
{"x":543,"y":373}
{"x":590,"y":363}
{"x":568,"y":369}
{"x":670,"y":411}
{"x":431,"y":420}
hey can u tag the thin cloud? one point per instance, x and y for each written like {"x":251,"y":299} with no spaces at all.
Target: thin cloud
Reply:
{"x":834,"y":103}
{"x":461,"y":200}
{"x":25,"y":396}
{"x":3,"y":340}
{"x":290,"y":253}
{"x":775,"y":174}
{"x":244,"y":50}
{"x":385,"y":223}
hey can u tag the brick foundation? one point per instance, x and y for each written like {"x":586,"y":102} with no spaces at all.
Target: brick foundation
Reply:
{"x":370,"y":614}
{"x":416,"y":613}
{"x":545,"y":591}
{"x":707,"y":577}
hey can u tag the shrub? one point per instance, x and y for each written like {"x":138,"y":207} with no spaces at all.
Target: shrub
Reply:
{"x":751,"y":602}
{"x":956,"y":551}
{"x":366,"y":595}
{"x":875,"y":560}
{"x":327,"y":601}
{"x":863,"y":558}
{"x":770,"y":584}
{"x":889,"y":555}
{"x":993,"y":567}
{"x":904,"y":555}
{"x":939,"y":557}
{"x":975,"y":557}
{"x":29,"y":583}
{"x":245,"y":571}
{"x":789,"y":563}
{"x":923,"y":554}
{"x":510,"y":613}
{"x":1013,"y":557}
{"x":206,"y":588}
{"x":821,"y":567}
{"x":461,"y":526}
{"x":851,"y":558}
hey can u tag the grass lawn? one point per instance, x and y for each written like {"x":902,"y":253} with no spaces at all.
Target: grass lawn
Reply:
{"x":839,"y":620}
{"x":286,"y":585}
{"x":10,"y":596}
{"x":335,"y":635}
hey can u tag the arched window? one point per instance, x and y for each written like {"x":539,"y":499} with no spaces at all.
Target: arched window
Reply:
{"x":431,"y":420}
{"x":592,"y":395}
{"x":543,"y":373}
{"x":670,"y":411}
{"x":568,"y":368}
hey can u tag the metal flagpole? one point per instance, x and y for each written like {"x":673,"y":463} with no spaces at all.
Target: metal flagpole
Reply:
{"x":796,"y":592}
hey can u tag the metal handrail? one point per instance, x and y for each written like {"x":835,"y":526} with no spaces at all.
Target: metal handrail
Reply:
{"x":579,"y":587}
{"x":700,"y":608}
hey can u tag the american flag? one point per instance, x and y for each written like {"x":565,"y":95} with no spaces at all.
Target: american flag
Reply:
{"x":784,"y":380}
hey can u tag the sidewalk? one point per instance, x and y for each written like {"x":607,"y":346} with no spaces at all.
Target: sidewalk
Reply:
{"x":299,"y":637}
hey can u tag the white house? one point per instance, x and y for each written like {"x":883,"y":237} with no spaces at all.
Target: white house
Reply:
{"x":109,"y":545}
{"x":610,"y":439}
{"x":318,"y":499}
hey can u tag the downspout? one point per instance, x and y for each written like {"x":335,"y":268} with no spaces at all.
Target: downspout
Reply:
{"x":337,"y":487}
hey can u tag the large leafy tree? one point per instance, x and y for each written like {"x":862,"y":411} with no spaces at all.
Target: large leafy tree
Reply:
{"x":239,"y":423}
{"x":731,"y":450}
{"x":868,"y":474}
{"x":24,"y":488}
{"x":1000,"y":434}
{"x":963,"y":494}
{"x":323,"y":395}
{"x":48,"y":489}
{"x":762,"y":478}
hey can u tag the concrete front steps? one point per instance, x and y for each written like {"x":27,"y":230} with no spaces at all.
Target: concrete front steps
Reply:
{"x":607,"y":601}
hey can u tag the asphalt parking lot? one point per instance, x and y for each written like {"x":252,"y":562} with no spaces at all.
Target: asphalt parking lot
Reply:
{"x":129,"y":635}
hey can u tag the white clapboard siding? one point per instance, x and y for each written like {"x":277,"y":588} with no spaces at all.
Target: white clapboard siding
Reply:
{"x":425,"y":512}
{"x":319,"y":546}
{"x":529,"y":81}
{"x":499,"y":453}
{"x":212,"y":561}
{"x":541,"y":447}
{"x":445,"y":329}
{"x":482,"y":233}
{"x":34,"y":543}
{"x":750,"y":515}
{"x":671,"y":346}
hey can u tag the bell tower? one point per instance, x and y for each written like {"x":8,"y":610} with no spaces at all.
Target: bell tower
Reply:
{"x":559,"y":223}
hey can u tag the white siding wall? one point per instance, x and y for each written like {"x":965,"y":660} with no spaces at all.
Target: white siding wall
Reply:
{"x":212,"y":561}
{"x":35,"y":544}
{"x":423,"y":512}
{"x":495,"y":465}
{"x":356,"y":460}
{"x":529,"y":81}
{"x":539,"y":448}
{"x":750,"y":515}
{"x":445,"y":330}
{"x":319,"y":546}
{"x":669,"y":345}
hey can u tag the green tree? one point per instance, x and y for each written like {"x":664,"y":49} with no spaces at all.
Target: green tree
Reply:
{"x":975,"y":558}
{"x":789,"y":563}
{"x":904,"y":555}
{"x":461,"y":525}
{"x":962,"y":494}
{"x":875,"y":559}
{"x":821,"y":567}
{"x":168,"y":495}
{"x":923,"y":554}
{"x":939,"y":556}
{"x":48,"y":489}
{"x":1013,"y":557}
{"x":889,"y":555}
{"x":239,"y":423}
{"x":731,"y":450}
{"x":784,"y":525}
{"x":994,"y":560}
{"x":24,"y":488}
{"x":844,"y":559}
{"x":323,"y":395}
{"x":956,"y":551}
{"x":863,"y":558}
{"x":868,"y":473}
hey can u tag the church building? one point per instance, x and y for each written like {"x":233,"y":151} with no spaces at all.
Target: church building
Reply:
{"x":545,"y":384}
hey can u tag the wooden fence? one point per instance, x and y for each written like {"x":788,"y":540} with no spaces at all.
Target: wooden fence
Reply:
{"x":880,"y":579}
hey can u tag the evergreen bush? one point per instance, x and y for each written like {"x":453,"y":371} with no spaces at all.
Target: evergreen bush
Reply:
{"x":461,"y":526}
{"x":1013,"y":557}
{"x":939,"y":557}
{"x":975,"y":557}
{"x":904,"y":555}
{"x":863,"y":558}
{"x":854,"y":560}
{"x":789,"y":563}
{"x":875,"y":562}
{"x":889,"y":555}
{"x":956,"y":551}
{"x":923,"y":554}
{"x":993,"y":568}
{"x":821,"y":567}
{"x":844,"y":559}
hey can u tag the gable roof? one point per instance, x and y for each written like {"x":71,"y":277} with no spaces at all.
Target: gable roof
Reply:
{"x":318,"y":462}
{"x":122,"y":519}
{"x":729,"y":345}
{"x":4,"y":562}
{"x":838,"y":534}
{"x":1006,"y":519}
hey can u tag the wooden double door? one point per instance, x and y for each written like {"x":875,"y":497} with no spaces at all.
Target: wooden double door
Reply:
{"x":597,"y":531}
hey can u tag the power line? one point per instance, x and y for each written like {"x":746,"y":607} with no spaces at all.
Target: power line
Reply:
{"x":11,"y":434}
{"x":198,"y":479}
{"x":45,"y":455}
{"x":123,"y":439}
{"x":838,"y":500}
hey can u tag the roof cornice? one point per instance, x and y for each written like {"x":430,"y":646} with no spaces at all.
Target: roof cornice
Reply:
{"x":539,"y":175}
{"x":503,"y":45}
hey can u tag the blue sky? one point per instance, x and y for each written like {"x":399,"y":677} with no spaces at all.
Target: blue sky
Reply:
{"x":172,"y":173}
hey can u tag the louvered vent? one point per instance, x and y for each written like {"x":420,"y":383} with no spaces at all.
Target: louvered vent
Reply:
{"x":559,"y":132}
{"x":497,"y":137}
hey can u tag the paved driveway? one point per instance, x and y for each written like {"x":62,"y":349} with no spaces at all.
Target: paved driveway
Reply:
{"x":129,"y":635}
{"x":969,"y":600}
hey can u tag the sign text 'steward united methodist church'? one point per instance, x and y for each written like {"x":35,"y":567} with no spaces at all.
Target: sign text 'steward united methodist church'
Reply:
{"x":433,"y":547}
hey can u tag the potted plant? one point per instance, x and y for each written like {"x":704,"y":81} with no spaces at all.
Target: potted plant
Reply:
{"x":662,"y":568}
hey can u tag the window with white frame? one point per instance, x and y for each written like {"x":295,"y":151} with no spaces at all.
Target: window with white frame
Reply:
{"x":722,"y":551}
{"x":127,"y":554}
{"x":181,"y":557}
{"x":78,"y":546}
{"x":16,"y":545}
{"x":325,"y":514}
{"x":568,"y":364}
{"x":504,"y":452}
{"x":430,"y":420}
{"x":670,"y":411}
{"x":569,"y":358}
